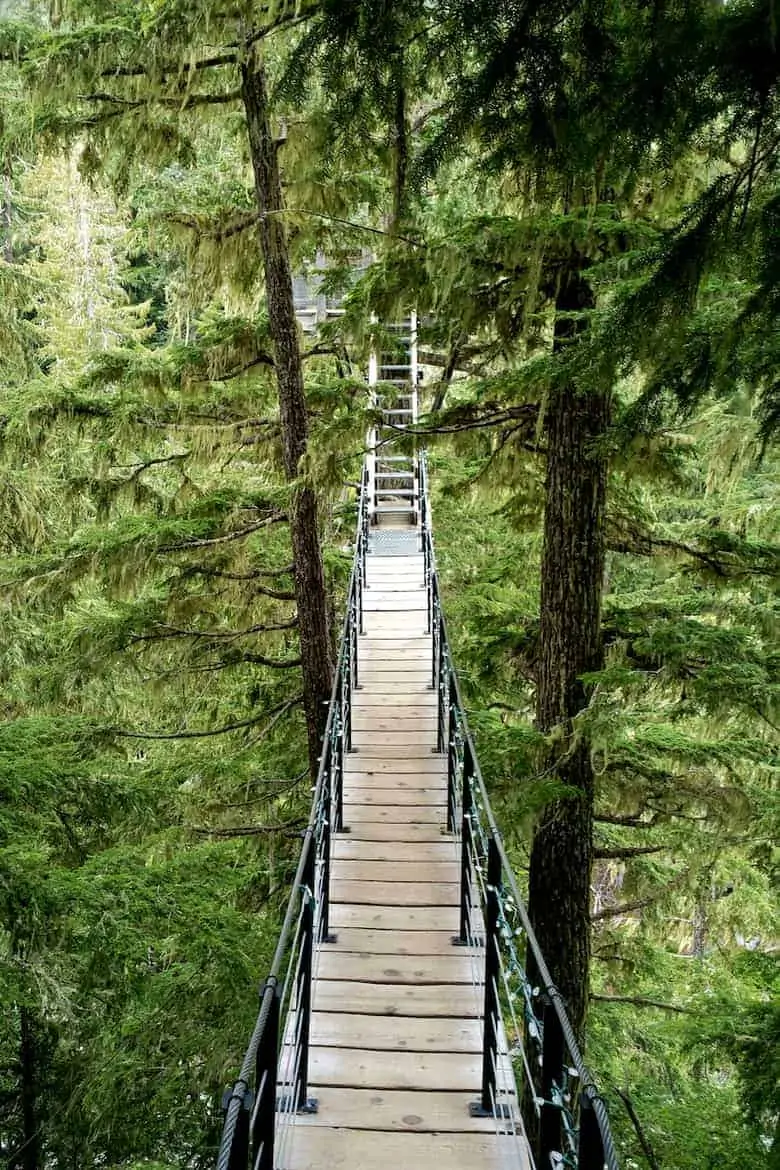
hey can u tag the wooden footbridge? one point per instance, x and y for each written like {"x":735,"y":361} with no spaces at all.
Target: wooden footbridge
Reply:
{"x":397,"y":1028}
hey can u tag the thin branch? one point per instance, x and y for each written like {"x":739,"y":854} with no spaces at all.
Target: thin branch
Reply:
{"x":209,"y":542}
{"x":185,"y":102}
{"x":172,"y":70}
{"x":204,"y":571}
{"x":250,"y":830}
{"x":207,"y":733}
{"x":622,"y":854}
{"x":647,"y":1149}
{"x":167,"y":631}
{"x":623,"y":908}
{"x":641,"y":1001}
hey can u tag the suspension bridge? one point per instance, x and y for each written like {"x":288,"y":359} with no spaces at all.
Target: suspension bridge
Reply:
{"x":397,"y":1025}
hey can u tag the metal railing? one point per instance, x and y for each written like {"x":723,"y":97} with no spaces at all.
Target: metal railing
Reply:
{"x":272,"y":1086}
{"x":534,"y":1081}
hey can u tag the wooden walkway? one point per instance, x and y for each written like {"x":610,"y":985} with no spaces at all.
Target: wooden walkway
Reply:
{"x":396,"y":1036}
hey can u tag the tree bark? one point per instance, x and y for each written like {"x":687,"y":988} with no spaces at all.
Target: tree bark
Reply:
{"x":310,"y":592}
{"x":29,"y":1154}
{"x":569,"y":644}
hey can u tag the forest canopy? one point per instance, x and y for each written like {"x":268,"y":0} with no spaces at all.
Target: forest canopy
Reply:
{"x":580,"y":200}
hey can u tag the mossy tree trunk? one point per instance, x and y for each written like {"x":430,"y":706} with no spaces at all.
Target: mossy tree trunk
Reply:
{"x":570,"y":644}
{"x":310,"y":592}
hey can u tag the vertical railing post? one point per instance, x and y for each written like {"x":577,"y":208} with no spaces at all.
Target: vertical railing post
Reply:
{"x":488,"y":1103}
{"x":452,"y":758}
{"x":346,"y":706}
{"x":466,"y":836}
{"x":266,"y":1072}
{"x":442,"y":690}
{"x":590,"y":1154}
{"x":338,"y":756}
{"x":303,"y":983}
{"x":323,"y":932}
{"x":552,"y":1076}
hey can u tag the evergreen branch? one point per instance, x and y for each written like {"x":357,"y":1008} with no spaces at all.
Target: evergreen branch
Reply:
{"x":276,"y":714}
{"x":254,"y":659}
{"x":279,"y":22}
{"x":629,"y":822}
{"x":249,"y":830}
{"x":205,"y":571}
{"x":641,"y":1001}
{"x":168,"y":631}
{"x":624,"y":854}
{"x":239,"y":534}
{"x":647,"y":1149}
{"x":185,"y":102}
{"x":172,"y":70}
{"x":139,"y":468}
{"x":623,"y":908}
{"x":261,"y":359}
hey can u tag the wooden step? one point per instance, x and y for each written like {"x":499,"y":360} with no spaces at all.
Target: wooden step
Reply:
{"x":394,"y":918}
{"x":423,"y":764}
{"x":411,"y":970}
{"x":456,"y":1001}
{"x":354,"y":1068}
{"x":373,"y":870}
{"x":365,"y":893}
{"x":318,"y":1148}
{"x":399,"y":833}
{"x":392,"y":942}
{"x":346,"y":848}
{"x":395,"y":797}
{"x":387,"y":1034}
{"x":414,"y":814}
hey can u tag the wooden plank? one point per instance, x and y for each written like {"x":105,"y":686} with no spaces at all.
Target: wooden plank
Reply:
{"x":361,"y":893}
{"x":399,"y":832}
{"x":396,"y":752}
{"x":394,"y":625}
{"x":397,"y":1110}
{"x":318,"y":1148}
{"x":392,"y":942}
{"x":348,"y":849}
{"x":395,"y":797}
{"x":394,"y":645}
{"x":371,"y":706}
{"x":444,"y":870}
{"x":354,"y":1068}
{"x":458,"y":1001}
{"x":421,"y":738}
{"x":363,"y":781}
{"x":415,"y":970}
{"x":421,"y":764}
{"x":410,"y":814}
{"x":404,"y":719}
{"x":392,"y":918}
{"x":386,"y":1033}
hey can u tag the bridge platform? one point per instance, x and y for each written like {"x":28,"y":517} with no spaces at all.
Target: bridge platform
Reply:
{"x":396,"y":1036}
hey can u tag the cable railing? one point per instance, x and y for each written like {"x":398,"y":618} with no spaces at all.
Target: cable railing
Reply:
{"x":534,"y":1081}
{"x":272,"y":1086}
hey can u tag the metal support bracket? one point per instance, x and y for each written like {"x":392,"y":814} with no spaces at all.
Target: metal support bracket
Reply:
{"x":283,"y":1105}
{"x":503,"y":1112}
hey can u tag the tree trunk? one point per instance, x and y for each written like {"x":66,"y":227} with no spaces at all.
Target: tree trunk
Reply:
{"x":310,"y":592}
{"x":28,"y":1156}
{"x":569,"y":644}
{"x":401,"y":143}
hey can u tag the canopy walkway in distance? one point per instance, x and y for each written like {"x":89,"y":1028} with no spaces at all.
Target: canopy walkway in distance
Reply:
{"x":397,"y":1025}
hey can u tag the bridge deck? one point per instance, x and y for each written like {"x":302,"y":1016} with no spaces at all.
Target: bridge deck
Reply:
{"x":396,"y":1036}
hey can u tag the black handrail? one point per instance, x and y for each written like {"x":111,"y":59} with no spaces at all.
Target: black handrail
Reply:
{"x":564,"y":1116}
{"x":254,"y":1111}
